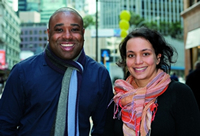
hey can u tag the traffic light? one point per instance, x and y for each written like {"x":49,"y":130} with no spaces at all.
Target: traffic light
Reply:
{"x":124,"y":23}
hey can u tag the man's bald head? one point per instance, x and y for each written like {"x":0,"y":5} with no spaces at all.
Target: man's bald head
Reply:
{"x":65,"y":9}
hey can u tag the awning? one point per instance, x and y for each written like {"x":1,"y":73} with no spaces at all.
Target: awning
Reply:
{"x":193,"y":39}
{"x":177,"y":68}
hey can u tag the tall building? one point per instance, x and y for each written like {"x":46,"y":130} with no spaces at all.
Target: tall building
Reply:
{"x":29,"y":16}
{"x":9,"y":34}
{"x":82,"y":6}
{"x":29,"y":5}
{"x":33,"y":37}
{"x":109,"y":13}
{"x":150,"y":10}
{"x":48,"y":7}
{"x":22,"y":5}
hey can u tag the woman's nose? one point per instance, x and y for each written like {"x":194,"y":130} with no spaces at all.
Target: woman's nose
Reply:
{"x":138,"y":60}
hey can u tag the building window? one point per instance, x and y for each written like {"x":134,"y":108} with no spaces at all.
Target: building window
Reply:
{"x":45,"y":38}
{"x":30,"y":32}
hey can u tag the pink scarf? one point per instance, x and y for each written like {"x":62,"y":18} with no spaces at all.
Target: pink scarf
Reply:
{"x":139,"y":104}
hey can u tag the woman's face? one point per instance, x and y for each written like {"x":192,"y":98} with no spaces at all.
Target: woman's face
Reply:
{"x":141,"y":60}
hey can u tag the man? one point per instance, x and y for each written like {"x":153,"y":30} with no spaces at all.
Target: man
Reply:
{"x":56,"y":92}
{"x":192,"y":81}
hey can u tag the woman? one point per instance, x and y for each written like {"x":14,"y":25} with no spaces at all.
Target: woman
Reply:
{"x":149,"y":102}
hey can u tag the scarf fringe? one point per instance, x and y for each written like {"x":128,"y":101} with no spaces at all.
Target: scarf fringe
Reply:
{"x":141,"y":108}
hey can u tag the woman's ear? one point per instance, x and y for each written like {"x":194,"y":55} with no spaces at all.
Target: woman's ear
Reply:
{"x":158,"y":58}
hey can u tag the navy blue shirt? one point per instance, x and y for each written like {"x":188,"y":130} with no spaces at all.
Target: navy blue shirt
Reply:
{"x":29,"y":101}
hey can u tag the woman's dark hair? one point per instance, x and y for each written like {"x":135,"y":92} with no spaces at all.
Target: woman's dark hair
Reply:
{"x":159,"y":44}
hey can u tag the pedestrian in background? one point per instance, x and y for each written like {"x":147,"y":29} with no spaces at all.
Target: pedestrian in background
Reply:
{"x":151,"y":103}
{"x":56,"y":92}
{"x":192,"y":81}
{"x":174,"y":77}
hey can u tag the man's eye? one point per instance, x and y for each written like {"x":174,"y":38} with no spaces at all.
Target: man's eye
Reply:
{"x":59,"y":30}
{"x":75,"y":30}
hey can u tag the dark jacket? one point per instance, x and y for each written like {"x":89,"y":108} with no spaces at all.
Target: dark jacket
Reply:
{"x":193,"y":82}
{"x":177,"y":113}
{"x":31,"y":94}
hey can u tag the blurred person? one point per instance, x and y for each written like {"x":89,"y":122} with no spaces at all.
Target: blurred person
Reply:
{"x":192,"y":81}
{"x":189,"y":73}
{"x":56,"y":92}
{"x":148,"y":101}
{"x":174,"y":77}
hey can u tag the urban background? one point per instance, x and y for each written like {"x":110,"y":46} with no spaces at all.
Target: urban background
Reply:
{"x":23,"y":25}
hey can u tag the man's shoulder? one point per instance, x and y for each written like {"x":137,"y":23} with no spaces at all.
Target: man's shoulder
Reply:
{"x":92,"y":63}
{"x":33,"y":61}
{"x":93,"y":66}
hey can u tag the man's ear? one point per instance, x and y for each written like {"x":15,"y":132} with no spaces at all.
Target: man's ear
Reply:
{"x":83,"y":31}
{"x":48,"y":34}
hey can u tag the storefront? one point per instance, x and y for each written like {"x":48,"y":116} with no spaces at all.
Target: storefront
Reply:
{"x":4,"y":73}
{"x":191,"y":19}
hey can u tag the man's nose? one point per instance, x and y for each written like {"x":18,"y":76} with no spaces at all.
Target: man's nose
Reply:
{"x":67,"y":34}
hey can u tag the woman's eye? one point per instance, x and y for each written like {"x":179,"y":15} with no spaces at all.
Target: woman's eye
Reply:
{"x":130,"y":55}
{"x":145,"y":54}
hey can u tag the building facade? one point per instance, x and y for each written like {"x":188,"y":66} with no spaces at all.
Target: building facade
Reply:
{"x":33,"y":37}
{"x":151,"y":10}
{"x":48,"y":7}
{"x":191,"y":19}
{"x":29,"y":5}
{"x":9,"y":34}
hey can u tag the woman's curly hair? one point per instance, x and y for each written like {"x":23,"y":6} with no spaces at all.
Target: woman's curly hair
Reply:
{"x":159,"y":45}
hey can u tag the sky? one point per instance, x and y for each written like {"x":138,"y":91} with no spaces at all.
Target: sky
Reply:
{"x":92,"y":6}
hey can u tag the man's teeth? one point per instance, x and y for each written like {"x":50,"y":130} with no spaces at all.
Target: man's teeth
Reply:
{"x":67,"y":45}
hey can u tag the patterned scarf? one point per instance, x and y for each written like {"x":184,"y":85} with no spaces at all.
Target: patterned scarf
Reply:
{"x":138,"y":105}
{"x":66,"y":120}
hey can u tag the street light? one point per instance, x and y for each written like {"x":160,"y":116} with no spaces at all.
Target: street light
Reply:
{"x":97,"y":48}
{"x":97,"y":30}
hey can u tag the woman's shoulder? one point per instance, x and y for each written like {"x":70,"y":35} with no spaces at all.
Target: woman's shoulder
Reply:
{"x":176,"y":85}
{"x":178,"y":88}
